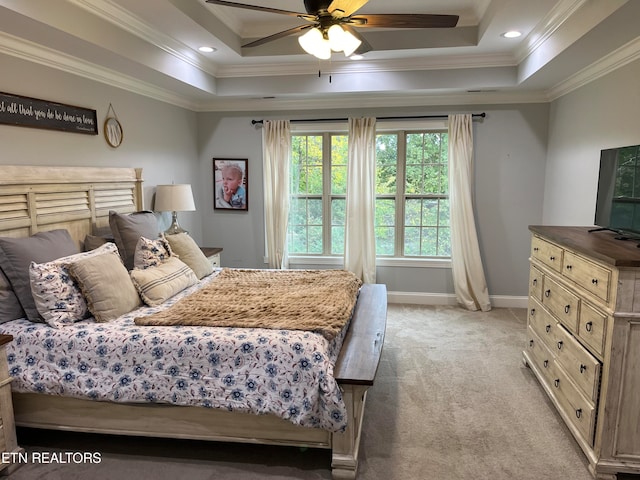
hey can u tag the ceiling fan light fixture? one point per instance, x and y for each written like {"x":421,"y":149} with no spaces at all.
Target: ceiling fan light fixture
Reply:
{"x":350,"y":43}
{"x":314,"y":43}
{"x":336,"y":35}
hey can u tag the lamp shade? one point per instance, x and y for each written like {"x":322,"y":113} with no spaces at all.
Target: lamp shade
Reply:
{"x":314,"y":43}
{"x":174,"y":198}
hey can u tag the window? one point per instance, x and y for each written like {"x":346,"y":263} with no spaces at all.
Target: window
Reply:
{"x":412,"y":194}
{"x":318,"y":194}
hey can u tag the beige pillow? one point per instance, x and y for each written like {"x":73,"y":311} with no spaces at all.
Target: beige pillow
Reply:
{"x":157,"y":284}
{"x":106,"y":286}
{"x":189,"y":252}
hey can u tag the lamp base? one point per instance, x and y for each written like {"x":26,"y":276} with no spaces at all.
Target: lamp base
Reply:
{"x":175,"y":226}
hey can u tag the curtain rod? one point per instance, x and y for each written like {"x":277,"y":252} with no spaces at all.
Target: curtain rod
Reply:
{"x":474,"y":115}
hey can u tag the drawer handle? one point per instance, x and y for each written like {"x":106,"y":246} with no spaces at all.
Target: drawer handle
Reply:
{"x":582,"y":368}
{"x":588,"y":326}
{"x":560,"y":345}
{"x":547,"y":328}
{"x":536,"y":249}
{"x":556,"y":382}
{"x":579,"y":413}
{"x":547,"y":293}
{"x":545,"y":363}
{"x":533,"y":312}
{"x":535,"y":282}
{"x":531,"y":343}
{"x":552,"y":258}
{"x":569,"y":267}
{"x":567,"y":308}
{"x":594,"y":281}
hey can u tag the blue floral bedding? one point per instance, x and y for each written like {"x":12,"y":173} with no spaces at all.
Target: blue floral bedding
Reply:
{"x":282,"y":372}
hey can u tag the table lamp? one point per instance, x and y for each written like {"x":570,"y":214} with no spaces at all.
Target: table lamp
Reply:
{"x":174,"y":198}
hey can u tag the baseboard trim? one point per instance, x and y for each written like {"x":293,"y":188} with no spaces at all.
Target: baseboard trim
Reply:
{"x":418,"y":298}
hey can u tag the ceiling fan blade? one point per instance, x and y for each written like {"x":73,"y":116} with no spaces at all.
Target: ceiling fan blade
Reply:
{"x":345,"y":8}
{"x":364,"y":46}
{"x":276,"y":36}
{"x":255,"y":7}
{"x":401,"y":20}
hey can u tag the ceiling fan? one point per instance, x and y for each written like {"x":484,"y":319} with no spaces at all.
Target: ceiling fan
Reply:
{"x":331,"y":25}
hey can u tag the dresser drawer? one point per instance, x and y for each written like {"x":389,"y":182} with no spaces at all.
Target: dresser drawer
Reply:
{"x":579,"y":410}
{"x":542,"y":323}
{"x":535,"y":283}
{"x":592,"y":327}
{"x":547,"y":253}
{"x":588,"y":275}
{"x":539,"y":354}
{"x":578,"y":363}
{"x":562,"y":303}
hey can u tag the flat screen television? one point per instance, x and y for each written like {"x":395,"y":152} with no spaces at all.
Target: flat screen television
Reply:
{"x":618,"y":199}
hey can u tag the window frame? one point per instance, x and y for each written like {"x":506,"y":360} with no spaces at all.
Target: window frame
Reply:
{"x":382,"y":127}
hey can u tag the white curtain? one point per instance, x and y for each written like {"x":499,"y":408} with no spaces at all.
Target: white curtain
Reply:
{"x":468,"y":274}
{"x":276,"y":140}
{"x":360,"y":242}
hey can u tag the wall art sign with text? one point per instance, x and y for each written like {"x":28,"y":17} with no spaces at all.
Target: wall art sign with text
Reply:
{"x":36,"y":113}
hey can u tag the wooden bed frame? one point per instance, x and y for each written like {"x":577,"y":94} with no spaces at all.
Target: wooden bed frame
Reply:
{"x":34,"y":199}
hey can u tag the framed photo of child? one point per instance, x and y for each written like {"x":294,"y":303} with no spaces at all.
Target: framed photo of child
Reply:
{"x":231,"y":184}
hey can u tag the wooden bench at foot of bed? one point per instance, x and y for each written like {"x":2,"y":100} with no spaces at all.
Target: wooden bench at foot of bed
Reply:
{"x":355,"y":371}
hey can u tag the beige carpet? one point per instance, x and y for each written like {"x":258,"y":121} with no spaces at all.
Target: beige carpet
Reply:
{"x":452,"y":400}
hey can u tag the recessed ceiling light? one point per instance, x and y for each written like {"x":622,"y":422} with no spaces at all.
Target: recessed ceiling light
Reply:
{"x":207,"y":49}
{"x":512,"y":34}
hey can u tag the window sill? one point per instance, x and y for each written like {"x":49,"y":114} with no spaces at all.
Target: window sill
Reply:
{"x":380,"y":261}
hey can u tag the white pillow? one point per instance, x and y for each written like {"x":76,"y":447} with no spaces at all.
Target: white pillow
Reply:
{"x":57,"y":296}
{"x":151,"y":253}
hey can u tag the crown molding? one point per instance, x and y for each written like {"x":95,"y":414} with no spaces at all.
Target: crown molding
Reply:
{"x":543,"y":31}
{"x":372,"y":101}
{"x":618,"y":58}
{"x":32,"y":52}
{"x":373,"y":66}
{"x":115,"y":14}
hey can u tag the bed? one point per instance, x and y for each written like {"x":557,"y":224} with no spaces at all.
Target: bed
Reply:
{"x":36,"y":199}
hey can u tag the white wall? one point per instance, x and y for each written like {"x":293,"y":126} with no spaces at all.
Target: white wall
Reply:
{"x":602,"y":114}
{"x":510,"y":160}
{"x":158,"y":137}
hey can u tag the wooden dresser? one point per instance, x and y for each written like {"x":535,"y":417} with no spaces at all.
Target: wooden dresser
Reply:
{"x":583,"y":340}
{"x":9,"y":450}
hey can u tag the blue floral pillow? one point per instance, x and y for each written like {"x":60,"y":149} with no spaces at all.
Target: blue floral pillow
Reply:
{"x":151,"y":253}
{"x":56,"y":294}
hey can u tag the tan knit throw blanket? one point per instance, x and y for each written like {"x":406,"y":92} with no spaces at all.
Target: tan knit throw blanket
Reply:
{"x":315,"y":300}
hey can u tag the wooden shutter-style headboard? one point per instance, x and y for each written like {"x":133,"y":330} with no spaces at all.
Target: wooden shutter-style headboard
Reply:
{"x":35,"y":199}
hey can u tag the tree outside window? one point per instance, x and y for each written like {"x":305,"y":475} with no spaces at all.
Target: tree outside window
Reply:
{"x":412,"y":194}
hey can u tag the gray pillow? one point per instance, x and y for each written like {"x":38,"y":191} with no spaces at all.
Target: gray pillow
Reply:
{"x":11,"y":308}
{"x":127,"y":229}
{"x":91,"y":242}
{"x":17,"y":253}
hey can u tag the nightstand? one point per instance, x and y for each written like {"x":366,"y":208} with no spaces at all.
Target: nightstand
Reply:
{"x":9,"y":449}
{"x":213,"y":254}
